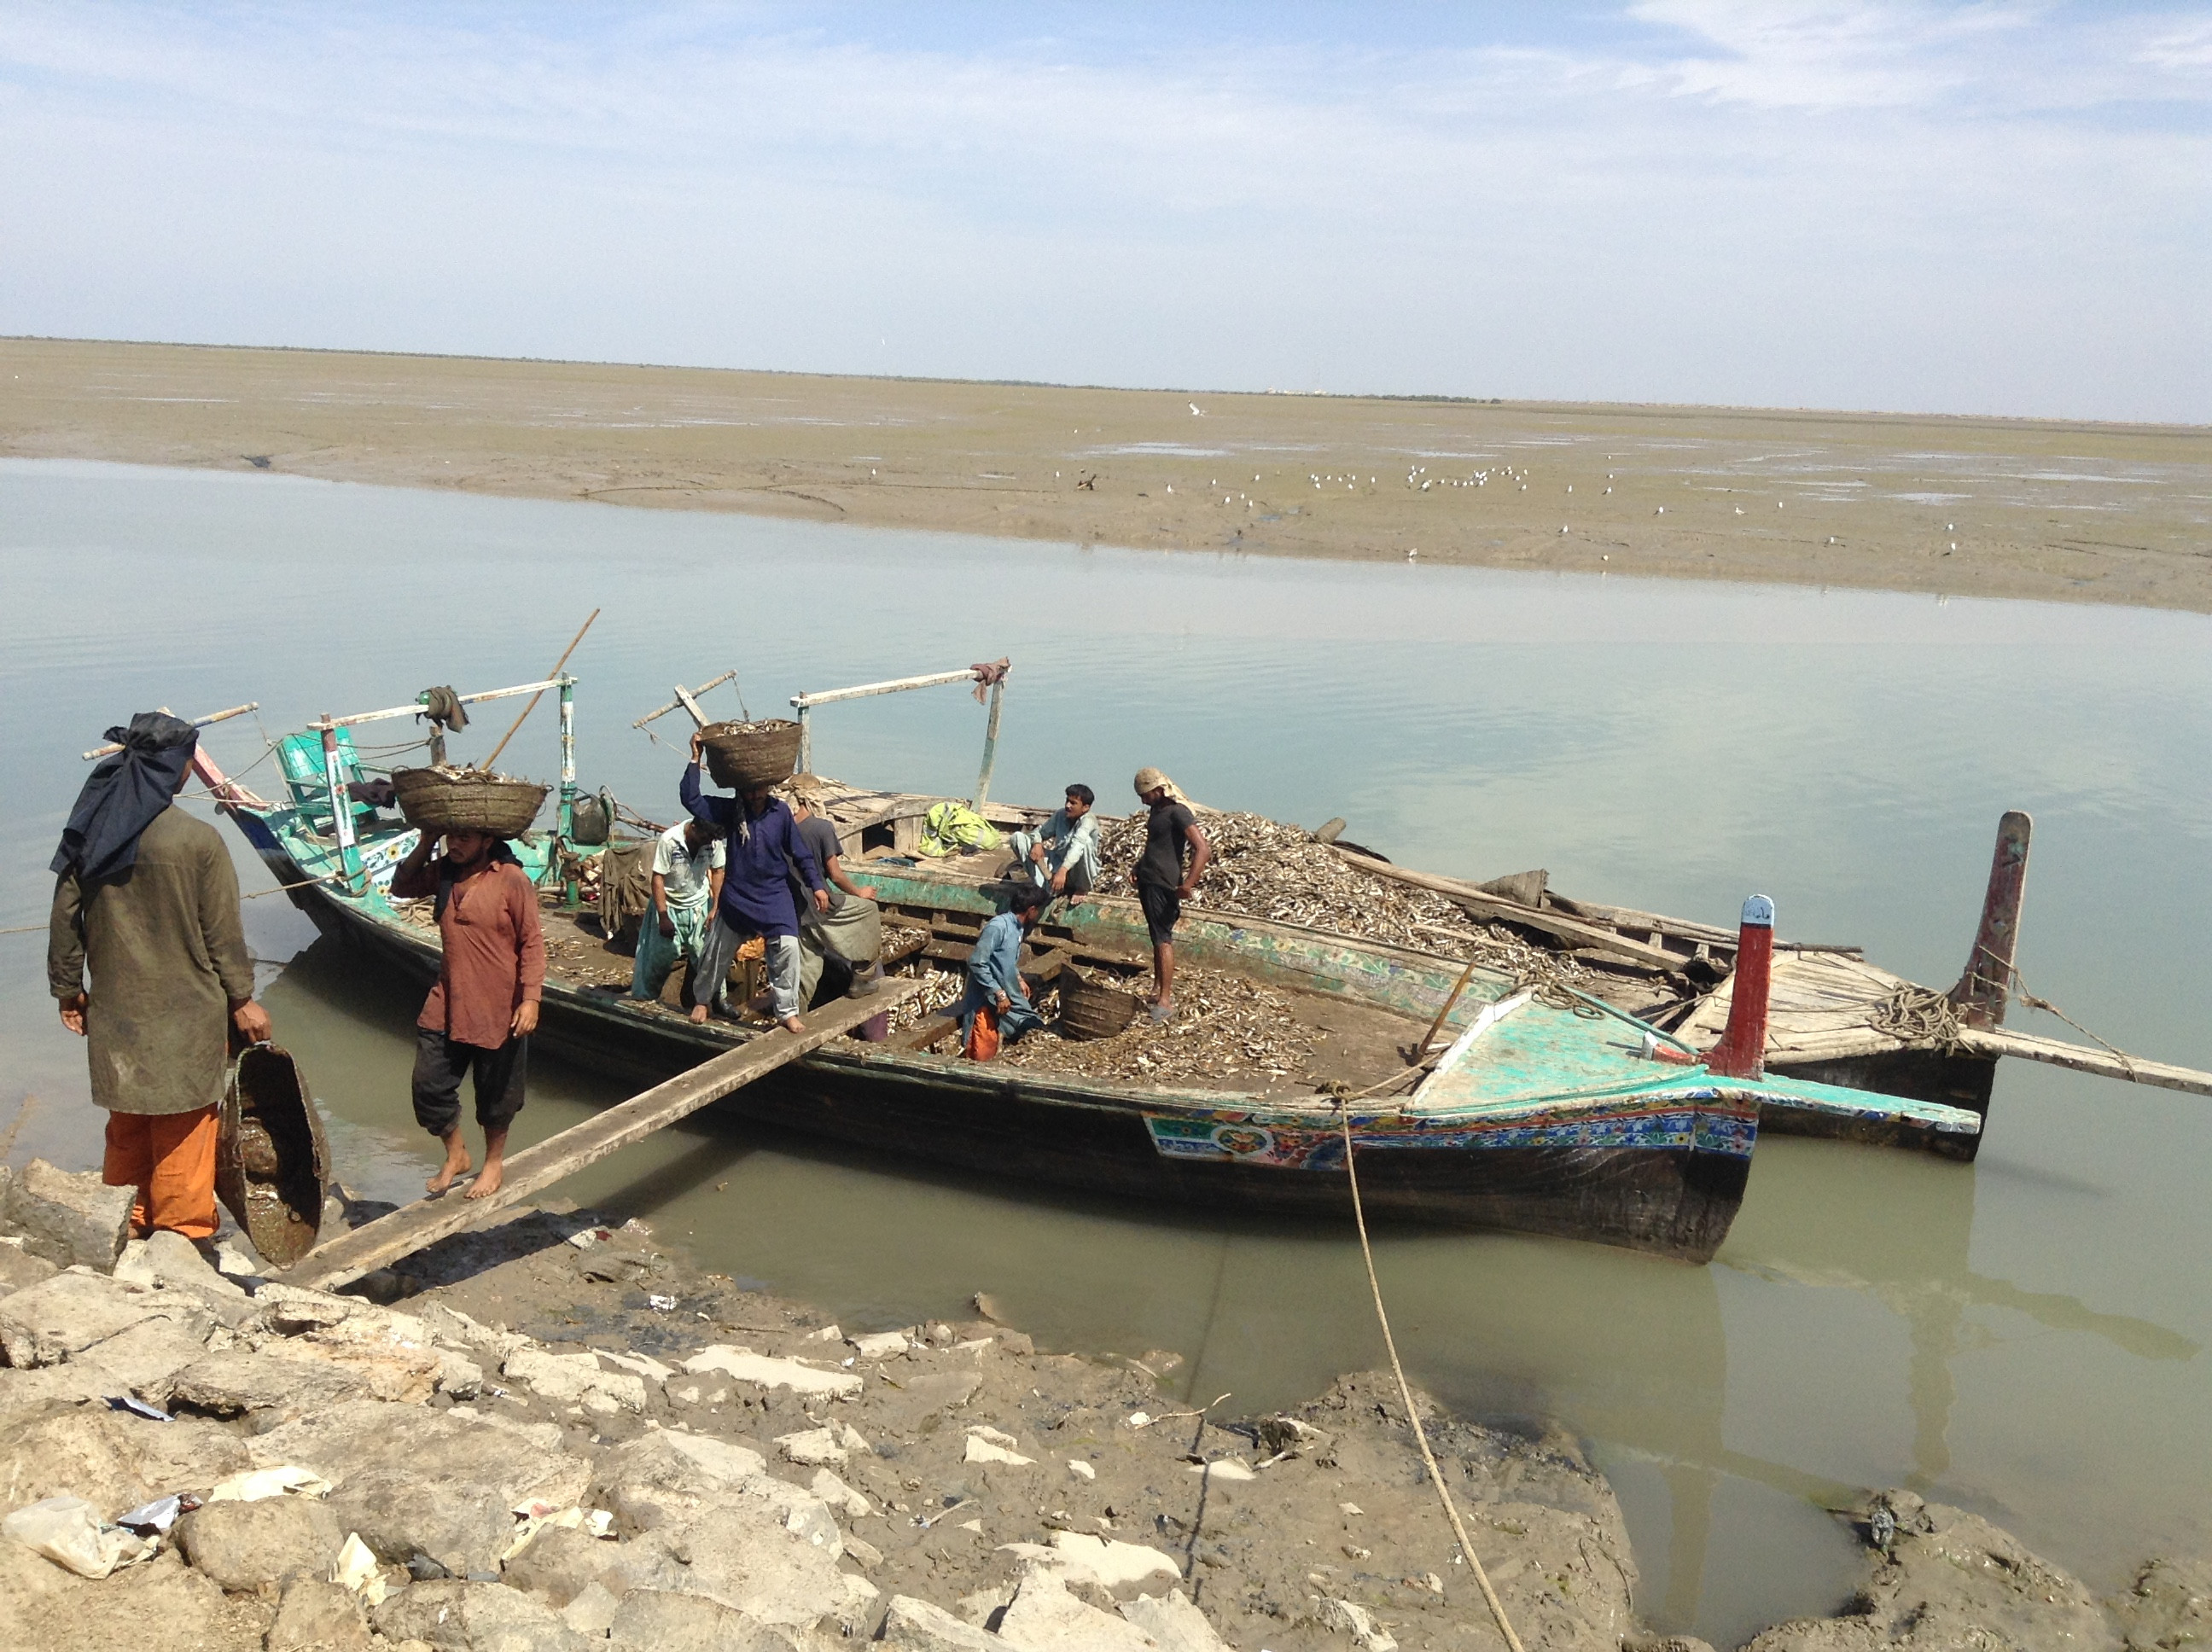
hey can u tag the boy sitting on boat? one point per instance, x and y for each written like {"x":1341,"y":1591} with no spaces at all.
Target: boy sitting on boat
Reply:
{"x":994,"y":970}
{"x":1062,"y":854}
{"x":687,"y":883}
{"x":760,"y":839}
{"x":479,"y":1019}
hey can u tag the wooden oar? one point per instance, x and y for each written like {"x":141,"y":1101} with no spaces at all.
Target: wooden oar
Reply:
{"x":540,"y":694}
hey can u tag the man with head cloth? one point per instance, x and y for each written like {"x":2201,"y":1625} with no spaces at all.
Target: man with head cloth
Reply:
{"x":146,"y":898}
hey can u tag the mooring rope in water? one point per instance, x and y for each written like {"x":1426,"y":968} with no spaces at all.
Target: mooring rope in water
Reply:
{"x":1406,"y":1391}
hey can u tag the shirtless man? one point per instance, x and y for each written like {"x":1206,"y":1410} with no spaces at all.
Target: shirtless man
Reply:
{"x":479,"y":1016}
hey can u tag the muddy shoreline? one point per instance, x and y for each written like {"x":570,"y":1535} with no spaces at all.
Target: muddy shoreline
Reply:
{"x":1950,"y":506}
{"x":768,"y":1478}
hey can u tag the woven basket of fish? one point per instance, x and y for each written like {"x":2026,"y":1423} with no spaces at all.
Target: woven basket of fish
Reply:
{"x":271,"y":1160}
{"x":1090,"y":1009}
{"x":745,"y":756}
{"x":467,"y":800}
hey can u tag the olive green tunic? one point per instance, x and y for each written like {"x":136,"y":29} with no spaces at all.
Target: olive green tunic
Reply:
{"x":167,"y":956}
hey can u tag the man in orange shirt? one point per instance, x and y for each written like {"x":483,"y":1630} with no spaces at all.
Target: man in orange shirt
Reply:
{"x":479,"y":1016}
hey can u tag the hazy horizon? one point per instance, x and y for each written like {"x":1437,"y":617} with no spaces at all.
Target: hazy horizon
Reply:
{"x":1987,"y":209}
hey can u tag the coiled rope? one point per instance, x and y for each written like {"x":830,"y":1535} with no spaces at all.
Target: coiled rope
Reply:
{"x":1405,"y":1393}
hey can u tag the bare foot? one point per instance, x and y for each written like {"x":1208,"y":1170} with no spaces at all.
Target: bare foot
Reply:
{"x":456,"y":1165}
{"x":487,"y":1181}
{"x":791,"y":1023}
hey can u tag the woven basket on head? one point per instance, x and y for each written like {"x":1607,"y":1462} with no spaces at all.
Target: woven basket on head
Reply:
{"x":467,"y":800}
{"x":1089,"y":1009}
{"x":745,"y":756}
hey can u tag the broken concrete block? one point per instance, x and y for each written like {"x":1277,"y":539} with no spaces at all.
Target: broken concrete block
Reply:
{"x":403,"y":1512}
{"x":880,"y":1344}
{"x":1350,"y":1617}
{"x":318,"y":1616}
{"x":242,"y":1545}
{"x":816,"y":1448}
{"x":745,"y":1557}
{"x":925,"y":1396}
{"x":1174,"y":1622}
{"x":1046,"y":1618}
{"x":238,"y":1380}
{"x":859,"y":1613}
{"x":48,"y":1322}
{"x":455,"y":1616}
{"x":178,"y":1264}
{"x":576,"y":1379}
{"x":19,"y":1269}
{"x":982,"y":1451}
{"x":839,"y":1495}
{"x":912,"y":1625}
{"x":664,"y":1478}
{"x":560,"y":1563}
{"x":140,"y":1358}
{"x":760,"y":1371}
{"x":111,"y":1459}
{"x":592,"y":1612}
{"x":70,"y":1218}
{"x":1112,"y":1563}
{"x":637,"y":1364}
{"x":655,"y":1620}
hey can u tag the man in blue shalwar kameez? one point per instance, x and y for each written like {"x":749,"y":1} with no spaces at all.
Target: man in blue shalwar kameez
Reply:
{"x":761,"y":844}
{"x":994,"y":967}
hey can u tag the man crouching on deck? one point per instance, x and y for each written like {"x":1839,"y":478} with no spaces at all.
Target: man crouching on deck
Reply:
{"x":479,"y":1016}
{"x":759,"y":835}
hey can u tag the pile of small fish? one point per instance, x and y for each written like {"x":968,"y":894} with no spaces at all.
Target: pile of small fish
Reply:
{"x":1265,"y":868}
{"x":941,"y":989}
{"x":1225,"y":1029}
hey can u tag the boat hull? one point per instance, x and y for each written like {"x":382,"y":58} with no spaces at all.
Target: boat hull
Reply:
{"x":1670,"y":1203}
{"x":1676,"y":1203}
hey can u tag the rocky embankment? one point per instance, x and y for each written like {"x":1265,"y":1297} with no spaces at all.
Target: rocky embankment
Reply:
{"x":555,"y":1435}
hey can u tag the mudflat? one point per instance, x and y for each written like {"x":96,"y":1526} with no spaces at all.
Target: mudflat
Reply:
{"x":1958,"y":506}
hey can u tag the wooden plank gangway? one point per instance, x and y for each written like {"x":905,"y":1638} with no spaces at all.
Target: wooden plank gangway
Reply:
{"x":410,"y":1228}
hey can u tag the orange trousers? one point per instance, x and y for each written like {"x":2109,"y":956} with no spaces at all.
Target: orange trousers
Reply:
{"x":169,"y":1157}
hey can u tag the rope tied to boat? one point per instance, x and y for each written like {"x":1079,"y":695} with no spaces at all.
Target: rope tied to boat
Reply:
{"x":1405,"y":1393}
{"x":1917,"y":1015}
{"x":2016,"y":984}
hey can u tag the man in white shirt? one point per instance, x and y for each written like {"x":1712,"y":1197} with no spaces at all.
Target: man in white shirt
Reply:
{"x":1062,"y":854}
{"x":688,"y":864}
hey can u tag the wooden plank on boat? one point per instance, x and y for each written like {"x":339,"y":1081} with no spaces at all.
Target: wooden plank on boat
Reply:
{"x":409,"y":1229}
{"x":924,"y":1033}
{"x":1993,"y":1041}
{"x":1483,"y":905}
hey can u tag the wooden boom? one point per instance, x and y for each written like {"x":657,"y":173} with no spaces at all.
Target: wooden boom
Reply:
{"x":2081,"y":1058}
{"x":409,"y":1229}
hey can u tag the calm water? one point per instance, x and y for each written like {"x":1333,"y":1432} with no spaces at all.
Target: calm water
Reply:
{"x":2024,"y":1336}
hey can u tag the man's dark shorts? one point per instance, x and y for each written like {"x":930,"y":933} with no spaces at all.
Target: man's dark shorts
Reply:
{"x":441,"y":1062}
{"x":1163,"y":908}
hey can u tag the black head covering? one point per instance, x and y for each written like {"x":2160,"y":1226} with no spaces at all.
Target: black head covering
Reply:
{"x":124,"y":794}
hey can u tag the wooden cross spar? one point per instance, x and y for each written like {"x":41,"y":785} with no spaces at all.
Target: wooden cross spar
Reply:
{"x":410,"y":1228}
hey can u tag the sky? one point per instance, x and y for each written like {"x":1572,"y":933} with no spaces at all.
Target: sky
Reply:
{"x":1989,"y":207}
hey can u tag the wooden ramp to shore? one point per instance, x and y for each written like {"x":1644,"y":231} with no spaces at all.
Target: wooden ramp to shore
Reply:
{"x":410,"y":1228}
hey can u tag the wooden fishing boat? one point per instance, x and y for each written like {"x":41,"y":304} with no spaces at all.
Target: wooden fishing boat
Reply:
{"x":1556,"y":1113}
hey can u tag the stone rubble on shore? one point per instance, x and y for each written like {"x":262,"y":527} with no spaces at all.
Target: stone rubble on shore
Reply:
{"x":655,"y":1458}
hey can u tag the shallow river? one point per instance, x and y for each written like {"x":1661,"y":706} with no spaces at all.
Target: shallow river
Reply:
{"x":2024,"y":1336}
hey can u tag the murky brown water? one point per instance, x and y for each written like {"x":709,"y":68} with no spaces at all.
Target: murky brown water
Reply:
{"x":2023,"y":1336}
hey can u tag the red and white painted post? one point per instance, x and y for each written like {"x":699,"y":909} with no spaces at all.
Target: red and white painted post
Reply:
{"x":1741,"y":1053}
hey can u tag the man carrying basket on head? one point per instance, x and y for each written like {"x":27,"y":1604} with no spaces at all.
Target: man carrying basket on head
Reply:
{"x":479,"y":1019}
{"x":759,"y":837}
